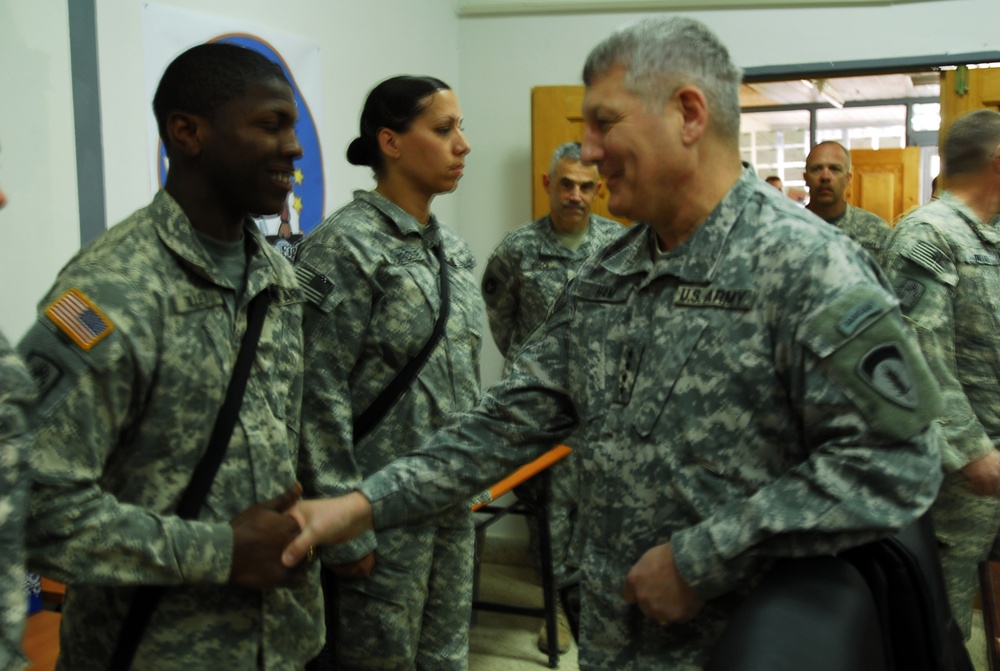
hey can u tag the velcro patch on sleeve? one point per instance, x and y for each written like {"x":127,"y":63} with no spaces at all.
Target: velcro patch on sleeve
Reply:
{"x":80,"y":319}
{"x":909,"y":292}
{"x":497,"y":273}
{"x":315,"y":286}
{"x":931,"y":258}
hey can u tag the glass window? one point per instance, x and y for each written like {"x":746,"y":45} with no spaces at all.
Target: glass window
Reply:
{"x":926,"y":117}
{"x":881,"y":127}
{"x":776,"y":143}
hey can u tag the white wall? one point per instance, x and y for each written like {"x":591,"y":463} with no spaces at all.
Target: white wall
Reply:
{"x":503,"y":57}
{"x":39,"y":227}
{"x":362,"y":42}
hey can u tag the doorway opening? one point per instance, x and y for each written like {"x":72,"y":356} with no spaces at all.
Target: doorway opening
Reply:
{"x":868,"y":106}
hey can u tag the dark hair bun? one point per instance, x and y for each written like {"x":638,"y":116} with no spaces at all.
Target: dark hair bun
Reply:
{"x":358,"y":152}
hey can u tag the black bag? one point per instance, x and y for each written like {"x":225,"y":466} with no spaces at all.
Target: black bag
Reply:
{"x":904,"y":575}
{"x":811,"y":614}
{"x":901,"y":578}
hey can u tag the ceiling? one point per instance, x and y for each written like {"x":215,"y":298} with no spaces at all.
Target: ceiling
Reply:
{"x":847,"y":89}
{"x":800,"y":92}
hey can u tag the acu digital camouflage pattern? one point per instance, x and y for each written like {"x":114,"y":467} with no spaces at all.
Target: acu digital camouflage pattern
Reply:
{"x":16,"y":394}
{"x":528,"y":270}
{"x":945,"y":266}
{"x":121,"y":428}
{"x":371,"y":277}
{"x":752,"y":394}
{"x":866,"y":228}
{"x":525,"y":274}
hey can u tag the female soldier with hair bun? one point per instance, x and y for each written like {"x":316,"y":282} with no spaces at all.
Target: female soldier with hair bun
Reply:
{"x":378,"y":293}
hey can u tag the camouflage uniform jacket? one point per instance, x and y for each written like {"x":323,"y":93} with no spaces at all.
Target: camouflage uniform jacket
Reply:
{"x":371,"y":278}
{"x":945,"y":266}
{"x":867,"y":229}
{"x":751,"y":394}
{"x":16,"y":392}
{"x":528,"y":270}
{"x":125,"y":414}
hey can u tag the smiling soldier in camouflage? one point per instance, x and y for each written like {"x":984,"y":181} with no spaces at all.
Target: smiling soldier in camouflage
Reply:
{"x":133,"y":349}
{"x":742,"y":384}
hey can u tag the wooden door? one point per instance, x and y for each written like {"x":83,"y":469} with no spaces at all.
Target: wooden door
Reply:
{"x":885,"y":181}
{"x":556,"y":118}
{"x":964,"y":92}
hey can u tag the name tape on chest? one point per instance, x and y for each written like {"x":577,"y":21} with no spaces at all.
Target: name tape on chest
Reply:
{"x":77,"y":316}
{"x":712,"y":297}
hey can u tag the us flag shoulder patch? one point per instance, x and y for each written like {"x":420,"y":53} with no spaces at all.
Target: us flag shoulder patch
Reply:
{"x":315,"y":286}
{"x":78,"y":317}
{"x":929,"y":256}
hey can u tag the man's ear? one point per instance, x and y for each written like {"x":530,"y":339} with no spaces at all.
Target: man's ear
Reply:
{"x":694,"y":110}
{"x":388,"y":142}
{"x":545,"y":181}
{"x":187,"y":132}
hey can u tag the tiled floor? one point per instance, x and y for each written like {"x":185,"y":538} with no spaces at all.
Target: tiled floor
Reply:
{"x":500,"y":642}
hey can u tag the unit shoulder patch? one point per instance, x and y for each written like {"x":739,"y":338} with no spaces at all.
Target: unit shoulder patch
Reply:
{"x":885,"y":369}
{"x":909,"y":291}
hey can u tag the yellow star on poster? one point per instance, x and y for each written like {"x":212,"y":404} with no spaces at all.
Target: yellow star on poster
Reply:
{"x":299,"y":176}
{"x":297,"y":204}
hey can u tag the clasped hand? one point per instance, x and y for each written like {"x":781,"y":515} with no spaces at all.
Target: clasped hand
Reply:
{"x":327,"y":522}
{"x":659,"y":590}
{"x":260,"y":534}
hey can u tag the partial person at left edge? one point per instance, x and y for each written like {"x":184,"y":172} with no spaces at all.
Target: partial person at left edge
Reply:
{"x":16,"y":393}
{"x":133,"y":350}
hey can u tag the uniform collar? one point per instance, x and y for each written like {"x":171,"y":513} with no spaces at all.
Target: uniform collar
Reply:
{"x":986,"y":231}
{"x":695,"y":260}
{"x":178,"y":234}
{"x":403,"y":221}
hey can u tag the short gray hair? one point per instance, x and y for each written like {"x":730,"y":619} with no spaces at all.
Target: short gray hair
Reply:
{"x":569,"y":151}
{"x":832,"y":143}
{"x":970,"y":143}
{"x":662,"y":54}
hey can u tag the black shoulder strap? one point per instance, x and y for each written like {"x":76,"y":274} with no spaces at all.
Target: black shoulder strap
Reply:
{"x":375,"y":412}
{"x":146,"y":597}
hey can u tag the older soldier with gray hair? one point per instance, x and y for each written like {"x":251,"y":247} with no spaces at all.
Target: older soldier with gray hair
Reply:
{"x":533,"y":263}
{"x":133,"y":350}
{"x":944,"y":261}
{"x":742,"y":384}
{"x":526,"y":272}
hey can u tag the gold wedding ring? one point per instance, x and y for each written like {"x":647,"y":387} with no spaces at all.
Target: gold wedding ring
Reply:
{"x":311,"y":554}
